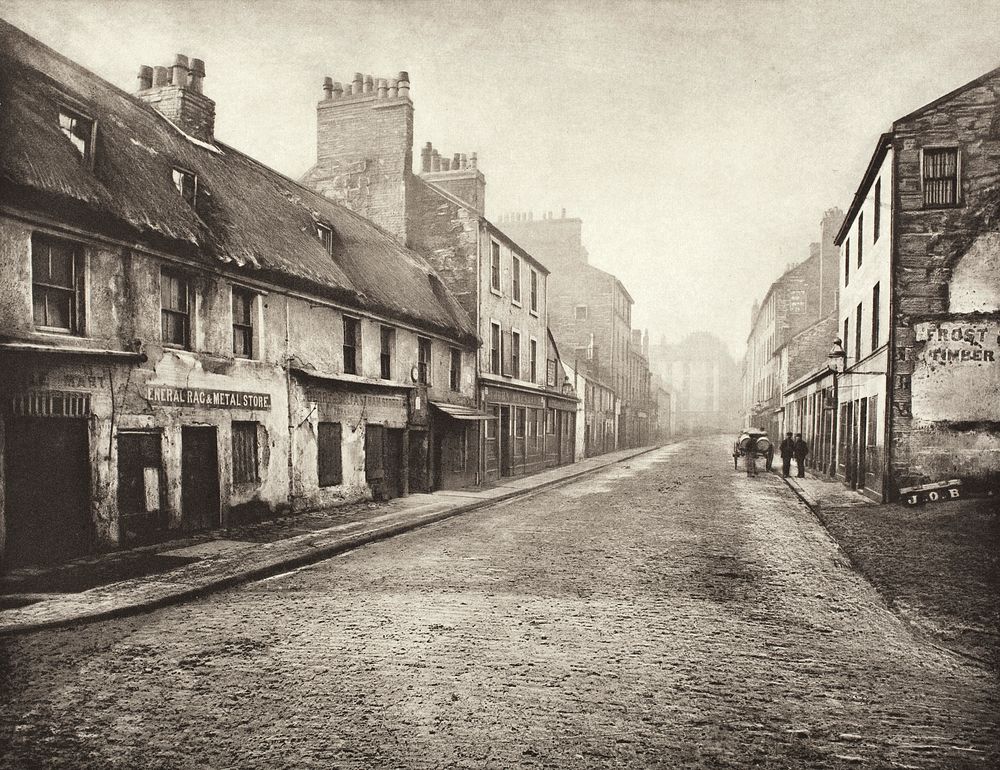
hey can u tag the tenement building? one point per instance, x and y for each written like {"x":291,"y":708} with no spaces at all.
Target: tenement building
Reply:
{"x":526,"y":412}
{"x":188,"y":338}
{"x":919,"y":315}
{"x":803,"y":296}
{"x":702,"y":384}
{"x":590,"y":312}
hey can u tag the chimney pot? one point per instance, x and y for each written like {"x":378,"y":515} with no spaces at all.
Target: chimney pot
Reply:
{"x":383,"y":88}
{"x":445,"y":164}
{"x":198,"y":67}
{"x":145,"y":77}
{"x":403,"y":86}
{"x":369,"y":84}
{"x":455,"y":161}
{"x":358,"y":84}
{"x":196,"y":75}
{"x":180,"y":71}
{"x":473,"y":161}
{"x":563,"y":214}
{"x":435,"y":161}
{"x":465,"y":160}
{"x":161,"y":76}
{"x":328,"y":88}
{"x":425,"y":158}
{"x":338,"y":89}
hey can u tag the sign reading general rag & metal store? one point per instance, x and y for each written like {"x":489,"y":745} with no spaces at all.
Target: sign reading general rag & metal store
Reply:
{"x":168,"y":395}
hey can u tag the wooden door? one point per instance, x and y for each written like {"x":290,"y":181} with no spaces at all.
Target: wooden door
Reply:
{"x":200,"y":507}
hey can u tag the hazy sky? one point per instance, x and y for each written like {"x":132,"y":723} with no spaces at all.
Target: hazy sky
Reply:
{"x":700,"y":142}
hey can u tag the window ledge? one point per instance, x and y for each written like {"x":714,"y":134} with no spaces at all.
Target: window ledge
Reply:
{"x":496,"y":292}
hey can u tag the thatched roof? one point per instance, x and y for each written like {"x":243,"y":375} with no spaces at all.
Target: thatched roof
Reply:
{"x":249,"y":217}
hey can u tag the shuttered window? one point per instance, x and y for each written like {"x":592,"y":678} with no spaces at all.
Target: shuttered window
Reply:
{"x":940,"y":168}
{"x":245,"y":452}
{"x":331,"y":472}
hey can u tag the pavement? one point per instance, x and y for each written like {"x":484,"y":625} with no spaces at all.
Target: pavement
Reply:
{"x":665,"y":612}
{"x":219,"y":560}
{"x":821,"y":492}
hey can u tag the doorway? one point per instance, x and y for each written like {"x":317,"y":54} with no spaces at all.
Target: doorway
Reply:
{"x":47,"y":490}
{"x":861,"y":444}
{"x":504,"y":441}
{"x":199,"y":478}
{"x":141,"y":513}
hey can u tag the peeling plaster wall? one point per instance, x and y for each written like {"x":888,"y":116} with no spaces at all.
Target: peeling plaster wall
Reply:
{"x":975,"y":280}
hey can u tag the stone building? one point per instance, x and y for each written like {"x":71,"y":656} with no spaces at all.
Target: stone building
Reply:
{"x":919,"y":313}
{"x":365,"y":161}
{"x":804,"y":295}
{"x":703,"y":382}
{"x":590,"y":313}
{"x":188,"y":338}
{"x":598,"y":411}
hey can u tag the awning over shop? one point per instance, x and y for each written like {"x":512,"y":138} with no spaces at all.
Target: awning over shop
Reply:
{"x":460,"y":412}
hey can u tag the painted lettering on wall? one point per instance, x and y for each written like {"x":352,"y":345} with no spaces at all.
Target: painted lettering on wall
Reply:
{"x":220,"y":399}
{"x":958,"y":343}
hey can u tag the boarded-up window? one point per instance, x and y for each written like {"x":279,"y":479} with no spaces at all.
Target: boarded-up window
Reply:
{"x":331,"y":472}
{"x":245,"y":452}
{"x":941,"y":176}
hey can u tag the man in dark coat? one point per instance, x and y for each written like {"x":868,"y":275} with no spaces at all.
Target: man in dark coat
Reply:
{"x":799,"y":451}
{"x":787,"y":448}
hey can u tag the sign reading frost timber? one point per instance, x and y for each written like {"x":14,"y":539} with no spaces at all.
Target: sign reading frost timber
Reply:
{"x":168,"y":395}
{"x":956,"y":375}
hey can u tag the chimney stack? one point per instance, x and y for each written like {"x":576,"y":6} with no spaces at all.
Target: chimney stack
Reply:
{"x":176,"y":92}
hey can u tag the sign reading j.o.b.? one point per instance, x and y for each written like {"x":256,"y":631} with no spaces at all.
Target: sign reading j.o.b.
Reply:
{"x":932,"y":493}
{"x":206,"y":397}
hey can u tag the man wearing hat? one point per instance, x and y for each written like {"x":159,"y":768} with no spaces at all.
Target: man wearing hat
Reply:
{"x":787,"y":449}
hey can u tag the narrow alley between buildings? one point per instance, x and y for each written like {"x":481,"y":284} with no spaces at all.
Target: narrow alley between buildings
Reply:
{"x":666,"y":612}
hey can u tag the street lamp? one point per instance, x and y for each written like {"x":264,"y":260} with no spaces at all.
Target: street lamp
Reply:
{"x":836,"y":361}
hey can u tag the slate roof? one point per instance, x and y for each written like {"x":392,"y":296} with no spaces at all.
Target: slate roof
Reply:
{"x":251,"y":218}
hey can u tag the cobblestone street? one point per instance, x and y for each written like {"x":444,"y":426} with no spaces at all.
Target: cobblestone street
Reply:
{"x":668,"y":612}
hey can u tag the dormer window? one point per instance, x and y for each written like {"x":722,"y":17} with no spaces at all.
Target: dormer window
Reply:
{"x":80,"y":132}
{"x":326,"y":237}
{"x":186,"y":184}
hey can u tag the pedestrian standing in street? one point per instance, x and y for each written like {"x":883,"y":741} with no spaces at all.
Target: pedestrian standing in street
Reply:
{"x":787,"y":448}
{"x":800,"y":450}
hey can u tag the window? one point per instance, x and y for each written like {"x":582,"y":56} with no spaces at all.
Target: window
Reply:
{"x":423,"y":361}
{"x":325,"y":235}
{"x":940,"y":176}
{"x":847,"y":262}
{"x":847,"y":337}
{"x":550,"y":421}
{"x":515,"y":278}
{"x":515,"y":355}
{"x":80,"y":132}
{"x":352,"y":342}
{"x":861,"y":236}
{"x":491,"y":424}
{"x":387,"y":343}
{"x":495,"y":266}
{"x":519,"y":422}
{"x":175,"y":309}
{"x":877,"y":211}
{"x":495,"y":352}
{"x":857,"y":333}
{"x":56,"y":284}
{"x":581,"y":312}
{"x":533,"y":360}
{"x":875,"y":312}
{"x":455,"y":374}
{"x":328,"y":460}
{"x":245,"y":452}
{"x":534,"y":292}
{"x":242,"y":323}
{"x":186,"y":184}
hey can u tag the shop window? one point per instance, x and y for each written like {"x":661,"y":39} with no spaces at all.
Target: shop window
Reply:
{"x":242,"y":323}
{"x":515,"y":278}
{"x":455,"y":374}
{"x":491,"y":424}
{"x":352,"y":344}
{"x":175,"y":309}
{"x":245,"y":453}
{"x":534,"y":292}
{"x":331,"y":473}
{"x":550,"y":421}
{"x":57,"y":284}
{"x":519,"y":422}
{"x":386,"y":345}
{"x":80,"y":132}
{"x":540,"y":427}
{"x":423,"y":361}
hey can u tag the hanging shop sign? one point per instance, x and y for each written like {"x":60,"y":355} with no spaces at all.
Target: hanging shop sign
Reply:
{"x":167,"y":395}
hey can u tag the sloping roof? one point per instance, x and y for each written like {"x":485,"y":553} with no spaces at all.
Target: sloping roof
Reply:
{"x":874,"y":164}
{"x":250,"y":217}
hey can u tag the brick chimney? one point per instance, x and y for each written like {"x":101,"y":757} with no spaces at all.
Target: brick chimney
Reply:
{"x":458,"y":175}
{"x":176,"y":93}
{"x":364,"y":147}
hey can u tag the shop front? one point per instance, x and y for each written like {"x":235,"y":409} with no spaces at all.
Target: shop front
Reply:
{"x":515,"y":433}
{"x":455,"y":444}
